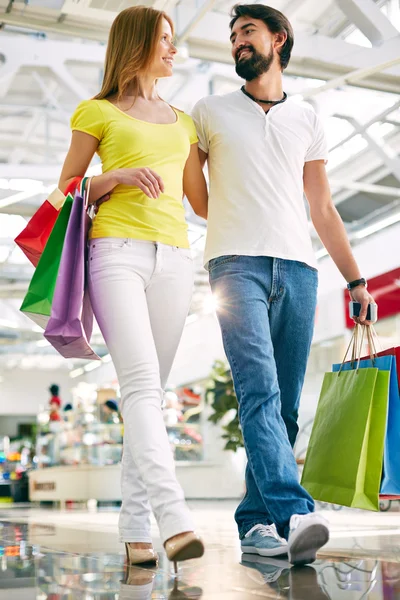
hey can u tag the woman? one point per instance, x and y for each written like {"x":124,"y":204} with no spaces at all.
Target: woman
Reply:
{"x":140,"y":265}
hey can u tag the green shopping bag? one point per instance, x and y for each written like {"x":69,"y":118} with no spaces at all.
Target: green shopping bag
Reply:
{"x":345,"y":455}
{"x":38,"y":300}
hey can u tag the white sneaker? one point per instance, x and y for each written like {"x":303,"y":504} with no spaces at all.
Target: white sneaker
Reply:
{"x":308,"y":533}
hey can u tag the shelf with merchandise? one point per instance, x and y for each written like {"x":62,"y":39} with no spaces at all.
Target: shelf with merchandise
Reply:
{"x":15,"y":462}
{"x":87,"y":444}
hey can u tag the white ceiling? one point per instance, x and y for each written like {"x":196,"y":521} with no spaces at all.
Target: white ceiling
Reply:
{"x":346,"y":63}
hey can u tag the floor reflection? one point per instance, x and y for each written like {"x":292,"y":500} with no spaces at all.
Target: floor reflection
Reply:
{"x":46,"y":571}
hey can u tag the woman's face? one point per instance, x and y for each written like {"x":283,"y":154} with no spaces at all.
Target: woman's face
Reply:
{"x":164,"y":57}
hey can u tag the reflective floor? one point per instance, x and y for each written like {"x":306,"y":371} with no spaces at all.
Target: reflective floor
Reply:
{"x":75,"y":554}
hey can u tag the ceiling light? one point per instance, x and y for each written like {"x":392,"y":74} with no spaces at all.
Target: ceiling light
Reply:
{"x":76,"y":373}
{"x":92,"y":366}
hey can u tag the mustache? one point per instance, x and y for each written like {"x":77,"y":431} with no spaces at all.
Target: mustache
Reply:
{"x":249,"y":47}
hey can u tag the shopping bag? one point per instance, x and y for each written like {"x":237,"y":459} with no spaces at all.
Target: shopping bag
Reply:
{"x":345,"y":455}
{"x":71,"y":322}
{"x":396,"y":353}
{"x":33,"y":238}
{"x":388,"y":360}
{"x":38,"y":300}
{"x":391,"y":462}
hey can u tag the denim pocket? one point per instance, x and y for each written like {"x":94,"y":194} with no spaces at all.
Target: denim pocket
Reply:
{"x":221,"y":260}
{"x":309,"y":267}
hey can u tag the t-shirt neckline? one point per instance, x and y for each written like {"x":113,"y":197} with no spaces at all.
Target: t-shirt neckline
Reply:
{"x":257,"y":106}
{"x":141,"y":120}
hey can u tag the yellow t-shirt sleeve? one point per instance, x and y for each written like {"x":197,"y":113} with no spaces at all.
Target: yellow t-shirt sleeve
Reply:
{"x":190,"y":128}
{"x":89,"y":119}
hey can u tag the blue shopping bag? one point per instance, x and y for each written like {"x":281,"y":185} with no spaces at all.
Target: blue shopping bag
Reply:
{"x":391,"y":461}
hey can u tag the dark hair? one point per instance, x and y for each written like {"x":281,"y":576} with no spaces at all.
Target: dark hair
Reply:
{"x":112,"y":405}
{"x":54,"y":389}
{"x":274,"y":20}
{"x":68,"y":407}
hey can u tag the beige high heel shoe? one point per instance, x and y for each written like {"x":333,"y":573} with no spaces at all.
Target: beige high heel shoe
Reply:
{"x":139,"y":556}
{"x":183,"y":547}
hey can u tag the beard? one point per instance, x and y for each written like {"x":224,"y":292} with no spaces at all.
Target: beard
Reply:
{"x":255,"y":65}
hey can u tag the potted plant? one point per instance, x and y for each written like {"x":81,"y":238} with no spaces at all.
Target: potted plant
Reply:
{"x":220,"y":394}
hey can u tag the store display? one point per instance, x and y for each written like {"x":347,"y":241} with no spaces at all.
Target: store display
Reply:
{"x":182,"y":416}
{"x":15,"y":461}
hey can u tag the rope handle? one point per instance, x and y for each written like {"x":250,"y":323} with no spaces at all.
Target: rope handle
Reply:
{"x":84,"y":191}
{"x":357,"y":346}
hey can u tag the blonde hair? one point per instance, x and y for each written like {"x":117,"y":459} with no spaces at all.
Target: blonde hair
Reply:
{"x":132,"y":43}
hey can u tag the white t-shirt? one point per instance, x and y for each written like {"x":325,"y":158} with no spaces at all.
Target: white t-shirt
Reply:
{"x":255,"y":163}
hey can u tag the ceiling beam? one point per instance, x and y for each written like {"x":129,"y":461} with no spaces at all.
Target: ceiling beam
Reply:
{"x":8,"y":70}
{"x":370,"y":20}
{"x":195,"y":19}
{"x":385,"y":153}
{"x":361,"y":186}
{"x":15,"y":198}
{"x":165,"y":5}
{"x":208,"y":41}
{"x":34,"y":144}
{"x":353,"y":77}
{"x":42,"y":172}
{"x":377,"y":174}
{"x":377,"y":118}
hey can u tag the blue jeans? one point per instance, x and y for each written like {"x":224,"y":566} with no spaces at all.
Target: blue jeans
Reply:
{"x":266,"y":310}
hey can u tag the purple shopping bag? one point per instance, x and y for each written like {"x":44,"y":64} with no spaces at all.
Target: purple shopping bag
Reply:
{"x":71,"y":322}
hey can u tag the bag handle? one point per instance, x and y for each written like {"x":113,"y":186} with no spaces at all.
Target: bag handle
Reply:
{"x":87,"y":192}
{"x":355,"y":345}
{"x":84,"y":190}
{"x":352,"y":344}
{"x":82,"y":186}
{"x":371,"y":341}
{"x":356,"y":348}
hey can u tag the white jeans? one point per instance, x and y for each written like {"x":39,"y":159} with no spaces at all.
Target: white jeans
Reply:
{"x":141,"y":292}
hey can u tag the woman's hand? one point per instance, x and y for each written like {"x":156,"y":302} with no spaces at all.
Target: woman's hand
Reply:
{"x":145,"y":179}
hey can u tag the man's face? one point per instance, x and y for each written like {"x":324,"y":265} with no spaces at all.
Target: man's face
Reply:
{"x":252,"y":48}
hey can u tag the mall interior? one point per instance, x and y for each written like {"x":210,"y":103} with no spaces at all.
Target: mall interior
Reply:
{"x":61,"y":431}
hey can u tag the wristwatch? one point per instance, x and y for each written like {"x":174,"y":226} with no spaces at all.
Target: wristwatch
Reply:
{"x":356,"y":283}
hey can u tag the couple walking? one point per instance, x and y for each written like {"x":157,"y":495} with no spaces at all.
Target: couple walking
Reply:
{"x":263,"y":151}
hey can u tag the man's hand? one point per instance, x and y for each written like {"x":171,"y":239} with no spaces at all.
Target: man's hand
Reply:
{"x":360,"y":294}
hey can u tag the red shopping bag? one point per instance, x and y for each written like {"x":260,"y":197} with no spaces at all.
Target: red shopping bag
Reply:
{"x":33,"y":238}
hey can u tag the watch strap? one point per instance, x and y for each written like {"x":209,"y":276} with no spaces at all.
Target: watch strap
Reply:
{"x":352,"y":284}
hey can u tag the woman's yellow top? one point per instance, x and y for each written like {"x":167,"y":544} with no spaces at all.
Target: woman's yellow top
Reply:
{"x":126,"y":142}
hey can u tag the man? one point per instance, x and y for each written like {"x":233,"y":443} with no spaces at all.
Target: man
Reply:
{"x":263,"y":151}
